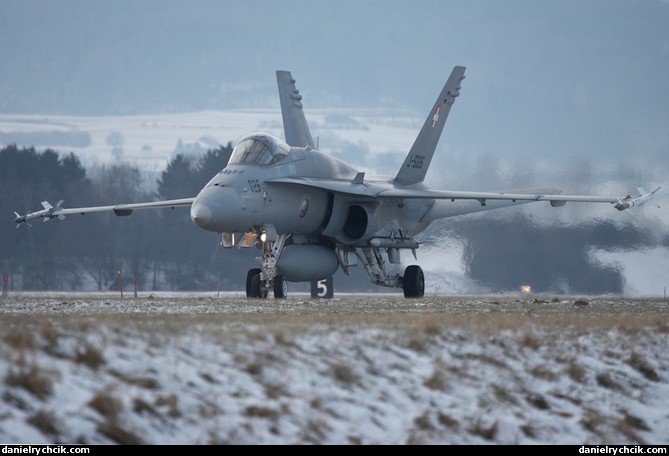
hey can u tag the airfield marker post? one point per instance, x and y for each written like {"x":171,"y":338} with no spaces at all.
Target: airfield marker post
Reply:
{"x":218,"y":289}
{"x":134,"y":285}
{"x":5,"y":282}
{"x":120,"y":284}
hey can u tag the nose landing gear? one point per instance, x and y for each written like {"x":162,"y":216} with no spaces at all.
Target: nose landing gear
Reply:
{"x":256,"y":288}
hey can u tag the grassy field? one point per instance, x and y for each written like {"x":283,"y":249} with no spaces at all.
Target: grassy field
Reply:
{"x":199,"y":369}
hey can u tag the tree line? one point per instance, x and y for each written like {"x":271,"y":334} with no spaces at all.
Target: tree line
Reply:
{"x":158,"y":249}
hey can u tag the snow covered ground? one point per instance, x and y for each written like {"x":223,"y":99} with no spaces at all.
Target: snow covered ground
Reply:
{"x":150,"y":141}
{"x":169,"y":368}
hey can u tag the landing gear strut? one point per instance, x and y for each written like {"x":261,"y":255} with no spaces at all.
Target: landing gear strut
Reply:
{"x":260,"y":280}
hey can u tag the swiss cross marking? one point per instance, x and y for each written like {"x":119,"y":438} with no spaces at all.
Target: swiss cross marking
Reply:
{"x":435,"y":117}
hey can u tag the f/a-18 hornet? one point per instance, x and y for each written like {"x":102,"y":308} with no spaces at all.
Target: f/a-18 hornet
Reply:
{"x":311,"y":214}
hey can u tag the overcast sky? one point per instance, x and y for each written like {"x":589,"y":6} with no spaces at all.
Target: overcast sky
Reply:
{"x":574,"y":78}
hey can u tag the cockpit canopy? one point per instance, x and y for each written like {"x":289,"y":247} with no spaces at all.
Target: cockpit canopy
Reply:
{"x":258,"y":149}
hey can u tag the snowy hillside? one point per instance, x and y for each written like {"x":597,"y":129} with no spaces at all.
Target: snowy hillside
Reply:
{"x":150,"y":141}
{"x":197,"y":369}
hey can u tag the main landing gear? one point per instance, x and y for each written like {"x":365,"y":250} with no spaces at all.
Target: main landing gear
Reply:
{"x":374,"y":261}
{"x":413,"y":282}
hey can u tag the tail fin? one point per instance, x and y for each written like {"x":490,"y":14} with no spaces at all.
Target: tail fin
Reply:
{"x":418,"y":160}
{"x":294,"y":123}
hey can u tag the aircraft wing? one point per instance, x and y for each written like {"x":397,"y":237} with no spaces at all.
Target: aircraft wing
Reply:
{"x":387,"y":190}
{"x":49,"y":212}
{"x":126,"y":209}
{"x":364,"y":189}
{"x":552,"y":195}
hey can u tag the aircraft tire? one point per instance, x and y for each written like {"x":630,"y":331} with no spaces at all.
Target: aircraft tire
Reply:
{"x":254,"y":288}
{"x":413,"y":282}
{"x":249,"y":276}
{"x":257,"y":290}
{"x":280,"y":287}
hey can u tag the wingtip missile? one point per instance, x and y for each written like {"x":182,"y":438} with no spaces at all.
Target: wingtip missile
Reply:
{"x":46,"y":214}
{"x":19,"y":219}
{"x":635,"y":201}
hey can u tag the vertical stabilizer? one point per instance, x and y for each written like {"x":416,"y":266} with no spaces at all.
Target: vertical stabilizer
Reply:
{"x":295,"y":125}
{"x":418,"y":160}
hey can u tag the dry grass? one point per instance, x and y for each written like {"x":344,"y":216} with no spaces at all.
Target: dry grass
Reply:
{"x":634,"y":422}
{"x":446,"y":420}
{"x":89,"y":356}
{"x":282,"y":338}
{"x":109,"y":408}
{"x":46,"y":422}
{"x":171,"y":402}
{"x":544,"y":372}
{"x":503,"y":394}
{"x":538,"y":401}
{"x":48,"y":332}
{"x":36,"y":381}
{"x":140,"y":406}
{"x":423,"y":422}
{"x":604,"y":379}
{"x":283,"y":322}
{"x":315,"y":431}
{"x":118,"y":434}
{"x":106,"y":405}
{"x":344,"y":373}
{"x":437,"y":381}
{"x":638,"y":362}
{"x":261,"y":412}
{"x":625,"y":427}
{"x":208,"y":378}
{"x":417,"y":343}
{"x":576,"y":372}
{"x":487,"y":432}
{"x":529,"y":431}
{"x":430,"y":327}
{"x":529,"y":340}
{"x":20,"y":340}
{"x":254,"y":368}
{"x":144,"y":382}
{"x":275,"y":390}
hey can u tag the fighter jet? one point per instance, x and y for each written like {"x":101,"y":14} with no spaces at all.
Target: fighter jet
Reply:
{"x":311,"y":214}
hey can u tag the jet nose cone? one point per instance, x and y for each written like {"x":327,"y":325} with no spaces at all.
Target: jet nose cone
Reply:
{"x":217,"y":209}
{"x":200,"y":215}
